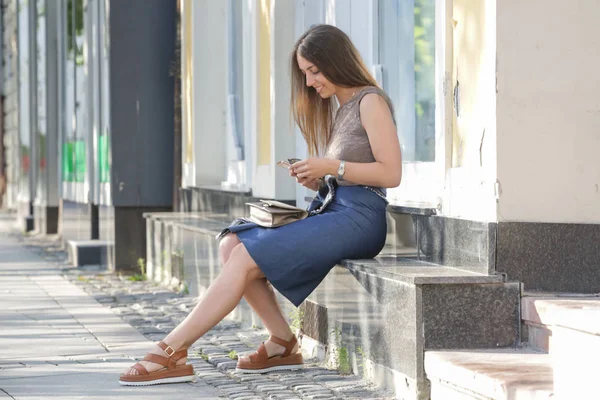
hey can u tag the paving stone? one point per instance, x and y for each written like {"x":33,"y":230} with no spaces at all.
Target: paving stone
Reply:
{"x":217,"y":381}
{"x":208,"y":374}
{"x":304,"y":386}
{"x":284,"y":396}
{"x":252,"y":378}
{"x":233,"y":387}
{"x":246,"y":397}
{"x":269,"y":387}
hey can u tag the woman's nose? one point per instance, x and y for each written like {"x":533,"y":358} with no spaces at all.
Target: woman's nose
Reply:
{"x":309,"y":81}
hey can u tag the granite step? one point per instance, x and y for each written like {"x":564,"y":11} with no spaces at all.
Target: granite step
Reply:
{"x":507,"y":374}
{"x":386,"y":312}
{"x":372,"y":317}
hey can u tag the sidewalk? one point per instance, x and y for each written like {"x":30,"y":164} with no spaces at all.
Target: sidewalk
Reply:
{"x":68,"y":333}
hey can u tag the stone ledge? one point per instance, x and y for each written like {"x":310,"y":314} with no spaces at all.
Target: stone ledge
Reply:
{"x":417,"y":272}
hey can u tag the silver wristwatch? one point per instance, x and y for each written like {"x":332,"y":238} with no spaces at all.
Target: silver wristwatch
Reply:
{"x":341,"y":170}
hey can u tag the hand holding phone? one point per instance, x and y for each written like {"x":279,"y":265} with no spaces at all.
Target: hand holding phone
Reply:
{"x":287,"y":163}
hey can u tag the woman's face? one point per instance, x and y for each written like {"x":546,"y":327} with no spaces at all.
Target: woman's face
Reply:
{"x":315,"y":78}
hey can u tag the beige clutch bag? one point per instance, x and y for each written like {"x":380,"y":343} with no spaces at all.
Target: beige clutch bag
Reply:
{"x":271,"y":213}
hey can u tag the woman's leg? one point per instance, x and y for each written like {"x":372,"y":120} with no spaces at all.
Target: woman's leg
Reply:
{"x":261,"y":297}
{"x":218,"y":301}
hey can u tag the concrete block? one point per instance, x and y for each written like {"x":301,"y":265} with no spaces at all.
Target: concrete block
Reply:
{"x":88,"y":252}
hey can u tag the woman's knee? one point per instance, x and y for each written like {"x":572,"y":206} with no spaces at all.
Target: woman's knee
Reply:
{"x":241,"y":261}
{"x":226,"y":245}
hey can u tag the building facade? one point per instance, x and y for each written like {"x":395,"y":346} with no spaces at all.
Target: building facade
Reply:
{"x":116,"y":110}
{"x":88,"y":121}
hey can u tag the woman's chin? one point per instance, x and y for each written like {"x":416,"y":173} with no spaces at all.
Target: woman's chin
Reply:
{"x":324,"y":94}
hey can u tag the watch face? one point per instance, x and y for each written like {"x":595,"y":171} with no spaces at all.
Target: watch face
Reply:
{"x":341,"y":168}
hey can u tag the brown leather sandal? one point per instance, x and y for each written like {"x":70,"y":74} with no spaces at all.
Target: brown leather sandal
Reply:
{"x":260,"y":362}
{"x":172,"y":373}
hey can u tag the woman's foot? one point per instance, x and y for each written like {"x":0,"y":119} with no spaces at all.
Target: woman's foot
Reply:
{"x":150,"y":366}
{"x":274,"y":354}
{"x":162,"y":364}
{"x":273,"y":349}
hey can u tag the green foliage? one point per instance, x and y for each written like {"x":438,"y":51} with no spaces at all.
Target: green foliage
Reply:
{"x":343,"y":361}
{"x":142,"y":265}
{"x":233,"y":355}
{"x":297,"y":319}
{"x":341,"y":356}
{"x":136,"y":278}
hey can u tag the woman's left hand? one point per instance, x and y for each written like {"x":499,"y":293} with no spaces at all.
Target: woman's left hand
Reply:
{"x":314,"y":168}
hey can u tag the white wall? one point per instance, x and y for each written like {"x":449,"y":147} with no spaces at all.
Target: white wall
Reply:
{"x":548,"y":107}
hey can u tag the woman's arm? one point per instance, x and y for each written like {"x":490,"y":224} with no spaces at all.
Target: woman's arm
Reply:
{"x":386,"y":171}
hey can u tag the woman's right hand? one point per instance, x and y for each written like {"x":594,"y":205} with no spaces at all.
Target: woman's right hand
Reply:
{"x":312,"y":184}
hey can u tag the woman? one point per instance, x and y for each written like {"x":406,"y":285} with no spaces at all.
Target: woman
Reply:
{"x":359,"y":147}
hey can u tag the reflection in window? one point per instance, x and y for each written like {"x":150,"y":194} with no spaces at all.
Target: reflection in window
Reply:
{"x":104,"y":138}
{"x":81,"y":117}
{"x":407,"y":56}
{"x":41,"y":91}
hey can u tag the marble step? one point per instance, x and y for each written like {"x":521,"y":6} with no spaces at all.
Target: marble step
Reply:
{"x":507,"y":374}
{"x":553,"y":317}
{"x":386,"y":312}
{"x":568,"y":328}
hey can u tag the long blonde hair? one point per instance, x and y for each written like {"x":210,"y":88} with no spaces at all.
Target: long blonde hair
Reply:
{"x":333,"y":53}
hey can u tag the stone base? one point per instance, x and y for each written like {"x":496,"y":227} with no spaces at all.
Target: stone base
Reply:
{"x":27,"y":224}
{"x":46,"y":219}
{"x":130,"y":235}
{"x":550,"y":257}
{"x":89,"y":252}
{"x":25,"y":220}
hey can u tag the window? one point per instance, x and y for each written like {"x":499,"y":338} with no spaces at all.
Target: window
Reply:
{"x":407,"y":57}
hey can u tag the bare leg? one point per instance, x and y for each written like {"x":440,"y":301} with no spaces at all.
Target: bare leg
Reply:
{"x":218,"y":301}
{"x":261,"y":297}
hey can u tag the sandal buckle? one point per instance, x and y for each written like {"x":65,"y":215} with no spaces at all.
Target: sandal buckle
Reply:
{"x":167,"y":351}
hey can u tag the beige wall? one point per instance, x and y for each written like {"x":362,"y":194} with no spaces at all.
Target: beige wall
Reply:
{"x":470,"y":179}
{"x":264,"y":82}
{"x":548,"y":107}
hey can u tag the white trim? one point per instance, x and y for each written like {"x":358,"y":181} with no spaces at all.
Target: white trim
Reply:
{"x":250,"y":93}
{"x":425,"y":181}
{"x":188,"y":168}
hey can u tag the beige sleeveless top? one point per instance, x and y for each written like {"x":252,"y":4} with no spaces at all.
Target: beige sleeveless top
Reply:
{"x":349,"y":140}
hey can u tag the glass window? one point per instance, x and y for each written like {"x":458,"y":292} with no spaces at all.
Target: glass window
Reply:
{"x":81,"y":92}
{"x":25,"y":153}
{"x":407,"y":57}
{"x":68,"y":149}
{"x":104,"y":139}
{"x":41,"y":92}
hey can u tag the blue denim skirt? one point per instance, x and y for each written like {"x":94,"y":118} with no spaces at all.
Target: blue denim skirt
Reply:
{"x":296,"y":257}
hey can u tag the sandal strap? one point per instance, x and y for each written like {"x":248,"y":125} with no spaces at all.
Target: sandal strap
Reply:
{"x":289,"y":345}
{"x":260,"y":356}
{"x":171,"y":353}
{"x":140,"y":369}
{"x":160,"y":360}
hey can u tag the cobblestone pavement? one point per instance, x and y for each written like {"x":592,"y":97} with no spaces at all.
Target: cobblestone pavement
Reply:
{"x":154,"y":310}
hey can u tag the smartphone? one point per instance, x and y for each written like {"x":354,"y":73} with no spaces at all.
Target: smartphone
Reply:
{"x":287,"y":163}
